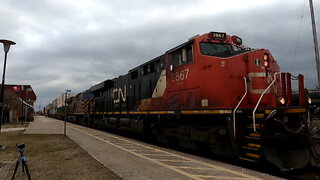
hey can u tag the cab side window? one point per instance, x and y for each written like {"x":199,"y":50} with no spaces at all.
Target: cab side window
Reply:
{"x":181,"y":56}
{"x":177,"y":58}
{"x":189,"y":54}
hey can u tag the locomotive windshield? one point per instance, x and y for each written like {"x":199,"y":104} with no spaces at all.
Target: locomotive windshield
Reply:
{"x":216,"y":49}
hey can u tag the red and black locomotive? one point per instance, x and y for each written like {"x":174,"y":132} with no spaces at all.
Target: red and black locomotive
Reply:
{"x":213,"y":91}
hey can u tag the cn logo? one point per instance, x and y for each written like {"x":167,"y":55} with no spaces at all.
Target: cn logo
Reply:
{"x":119,"y":94}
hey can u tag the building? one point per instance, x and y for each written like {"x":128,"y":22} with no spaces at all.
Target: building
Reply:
{"x":48,"y":109}
{"x":58,"y":104}
{"x":18,"y":103}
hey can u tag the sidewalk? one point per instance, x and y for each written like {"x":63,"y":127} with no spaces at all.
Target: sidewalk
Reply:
{"x":42,"y":125}
{"x":12,"y":129}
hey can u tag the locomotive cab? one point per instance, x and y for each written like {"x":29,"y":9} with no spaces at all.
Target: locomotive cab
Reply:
{"x":212,"y":67}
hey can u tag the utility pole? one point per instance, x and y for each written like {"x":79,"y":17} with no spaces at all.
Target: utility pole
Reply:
{"x":65,"y":111}
{"x":315,"y":41}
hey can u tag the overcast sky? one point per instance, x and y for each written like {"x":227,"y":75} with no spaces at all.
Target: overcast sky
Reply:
{"x":74,"y":44}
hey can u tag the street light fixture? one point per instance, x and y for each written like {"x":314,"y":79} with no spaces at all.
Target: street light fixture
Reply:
{"x":65,"y":111}
{"x":6,"y":47}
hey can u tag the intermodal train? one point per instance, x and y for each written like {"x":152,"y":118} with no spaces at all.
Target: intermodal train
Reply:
{"x":214,"y":92}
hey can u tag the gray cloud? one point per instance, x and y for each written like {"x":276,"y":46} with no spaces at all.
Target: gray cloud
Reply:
{"x":75,"y":44}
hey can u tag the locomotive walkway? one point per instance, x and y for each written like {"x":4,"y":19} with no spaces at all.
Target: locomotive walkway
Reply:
{"x":132,"y":159}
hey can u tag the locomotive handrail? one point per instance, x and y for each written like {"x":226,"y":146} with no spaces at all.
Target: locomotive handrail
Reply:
{"x":234,"y":111}
{"x":255,"y":109}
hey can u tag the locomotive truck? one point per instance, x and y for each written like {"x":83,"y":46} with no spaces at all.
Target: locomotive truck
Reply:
{"x":210,"y":91}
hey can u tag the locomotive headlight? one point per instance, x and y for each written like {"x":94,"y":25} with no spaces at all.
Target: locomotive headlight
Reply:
{"x":281,"y":100}
{"x":266,"y":60}
{"x":309,"y":100}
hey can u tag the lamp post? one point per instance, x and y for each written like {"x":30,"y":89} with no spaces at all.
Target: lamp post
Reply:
{"x":6,"y":47}
{"x":65,"y":111}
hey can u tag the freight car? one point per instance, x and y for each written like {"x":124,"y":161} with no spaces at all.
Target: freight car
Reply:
{"x":210,"y":91}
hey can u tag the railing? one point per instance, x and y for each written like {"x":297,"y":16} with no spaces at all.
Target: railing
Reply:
{"x":235,"y":110}
{"x":255,"y":109}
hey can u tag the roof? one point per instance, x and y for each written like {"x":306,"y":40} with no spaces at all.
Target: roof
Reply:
{"x":25,"y":92}
{"x":105,"y":85}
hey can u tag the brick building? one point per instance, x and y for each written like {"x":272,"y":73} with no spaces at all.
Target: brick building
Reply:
{"x":18,"y":103}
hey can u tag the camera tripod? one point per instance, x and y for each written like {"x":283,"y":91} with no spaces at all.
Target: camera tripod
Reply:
{"x":23,"y":161}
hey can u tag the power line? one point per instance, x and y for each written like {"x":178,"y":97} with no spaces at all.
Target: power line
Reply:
{"x":298,"y":35}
